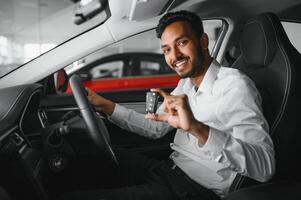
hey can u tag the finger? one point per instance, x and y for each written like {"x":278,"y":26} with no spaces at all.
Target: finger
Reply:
{"x":89,"y":91}
{"x":175,"y":102}
{"x":150,"y":116}
{"x":170,"y":101}
{"x":173,"y":112}
{"x":161,"y":92}
{"x":91,"y":95}
{"x":157,"y":117}
{"x":166,"y":109}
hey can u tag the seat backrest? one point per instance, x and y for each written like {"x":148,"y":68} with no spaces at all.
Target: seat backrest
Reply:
{"x":272,"y":62}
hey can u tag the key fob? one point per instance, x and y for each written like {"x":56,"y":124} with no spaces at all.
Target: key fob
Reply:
{"x":152,"y":102}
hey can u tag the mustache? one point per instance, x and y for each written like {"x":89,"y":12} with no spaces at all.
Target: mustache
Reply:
{"x":179,"y":59}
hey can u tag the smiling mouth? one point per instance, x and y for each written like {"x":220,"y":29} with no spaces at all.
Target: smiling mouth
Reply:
{"x":179,"y":65}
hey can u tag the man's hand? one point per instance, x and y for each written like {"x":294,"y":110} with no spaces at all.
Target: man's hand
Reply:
{"x":179,"y":115}
{"x":100,"y":103}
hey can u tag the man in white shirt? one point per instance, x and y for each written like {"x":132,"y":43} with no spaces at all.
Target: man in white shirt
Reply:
{"x":221,"y":131}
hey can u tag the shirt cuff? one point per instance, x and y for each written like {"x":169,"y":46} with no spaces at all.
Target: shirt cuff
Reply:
{"x":119,"y":113}
{"x":215,"y":144}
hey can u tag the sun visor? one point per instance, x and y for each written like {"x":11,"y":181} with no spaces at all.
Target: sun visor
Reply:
{"x":144,"y":9}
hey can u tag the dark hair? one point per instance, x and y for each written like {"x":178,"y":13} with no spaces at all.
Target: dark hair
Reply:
{"x":191,"y":18}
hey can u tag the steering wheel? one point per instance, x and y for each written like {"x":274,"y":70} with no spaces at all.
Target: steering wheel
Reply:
{"x":96,"y":127}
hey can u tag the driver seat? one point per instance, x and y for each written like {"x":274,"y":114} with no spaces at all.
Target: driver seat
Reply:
{"x":273,"y":63}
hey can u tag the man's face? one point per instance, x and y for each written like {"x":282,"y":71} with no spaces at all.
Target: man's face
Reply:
{"x":182,"y":49}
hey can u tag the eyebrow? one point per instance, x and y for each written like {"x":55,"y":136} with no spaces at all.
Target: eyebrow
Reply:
{"x":177,"y":39}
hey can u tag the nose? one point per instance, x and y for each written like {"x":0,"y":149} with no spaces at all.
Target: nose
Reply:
{"x":175,"y":54}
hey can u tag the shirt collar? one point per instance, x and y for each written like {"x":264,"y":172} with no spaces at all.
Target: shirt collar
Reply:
{"x":207,"y":83}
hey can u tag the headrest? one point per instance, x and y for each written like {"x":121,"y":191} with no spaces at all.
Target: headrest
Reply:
{"x":258,"y":42}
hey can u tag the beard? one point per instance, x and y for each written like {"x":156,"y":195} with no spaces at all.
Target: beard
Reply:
{"x":196,"y":67}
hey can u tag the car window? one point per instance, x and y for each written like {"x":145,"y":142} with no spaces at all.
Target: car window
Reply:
{"x":27,"y":29}
{"x":138,"y":57}
{"x":150,"y":68}
{"x":293,"y":31}
{"x":111,"y":69}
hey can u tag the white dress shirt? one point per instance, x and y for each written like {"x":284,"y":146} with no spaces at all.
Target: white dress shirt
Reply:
{"x":228,"y":102}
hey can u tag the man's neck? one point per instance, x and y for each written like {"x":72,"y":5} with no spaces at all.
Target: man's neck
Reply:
{"x":197,"y":80}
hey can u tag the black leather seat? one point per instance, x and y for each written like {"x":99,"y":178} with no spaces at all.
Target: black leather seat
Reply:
{"x":289,"y":190}
{"x":272,"y":62}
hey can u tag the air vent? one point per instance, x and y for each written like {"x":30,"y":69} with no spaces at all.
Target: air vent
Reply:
{"x":43,"y":118}
{"x":17,"y":139}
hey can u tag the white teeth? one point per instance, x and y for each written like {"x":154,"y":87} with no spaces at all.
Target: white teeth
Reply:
{"x":178,"y":64}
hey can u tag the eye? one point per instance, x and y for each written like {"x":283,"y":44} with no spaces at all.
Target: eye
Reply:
{"x":166,"y":51}
{"x":182,"y":42}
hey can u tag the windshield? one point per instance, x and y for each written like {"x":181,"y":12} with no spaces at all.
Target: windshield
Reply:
{"x":29,"y":28}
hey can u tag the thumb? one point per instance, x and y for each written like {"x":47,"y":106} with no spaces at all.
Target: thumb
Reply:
{"x":161,"y":92}
{"x":90,"y":92}
{"x":157,"y":117}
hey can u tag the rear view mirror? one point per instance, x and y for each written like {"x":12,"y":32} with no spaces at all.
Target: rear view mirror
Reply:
{"x":87,"y":9}
{"x":60,"y":81}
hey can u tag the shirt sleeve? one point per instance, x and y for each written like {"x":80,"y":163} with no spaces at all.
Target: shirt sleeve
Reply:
{"x":135,"y":122}
{"x":246,"y":146}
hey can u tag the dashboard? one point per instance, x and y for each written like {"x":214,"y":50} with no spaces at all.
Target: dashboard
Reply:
{"x":19,"y":111}
{"x":20,"y":119}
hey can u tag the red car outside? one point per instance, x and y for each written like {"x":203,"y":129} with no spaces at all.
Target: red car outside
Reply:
{"x":125,"y":71}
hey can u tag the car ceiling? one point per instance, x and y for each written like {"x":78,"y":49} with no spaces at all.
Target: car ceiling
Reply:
{"x":13,"y":10}
{"x":233,"y":9}
{"x":17,"y":15}
{"x":241,"y":9}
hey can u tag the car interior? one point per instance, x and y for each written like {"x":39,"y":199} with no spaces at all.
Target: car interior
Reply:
{"x":53,"y":142}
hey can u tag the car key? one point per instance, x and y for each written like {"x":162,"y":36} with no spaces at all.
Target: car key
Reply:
{"x":152,"y":101}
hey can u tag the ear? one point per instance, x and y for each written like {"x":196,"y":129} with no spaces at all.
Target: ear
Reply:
{"x":204,"y":41}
